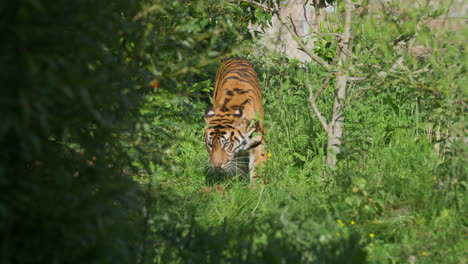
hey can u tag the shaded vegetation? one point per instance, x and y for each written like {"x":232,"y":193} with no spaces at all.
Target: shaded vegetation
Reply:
{"x":103,"y":159}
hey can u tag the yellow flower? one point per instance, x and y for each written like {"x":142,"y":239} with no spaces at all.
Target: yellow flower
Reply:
{"x":270,"y":155}
{"x":371,"y":235}
{"x":424,"y":253}
{"x":342,"y":224}
{"x":339,"y":221}
{"x":371,"y":244}
{"x":352,"y":222}
{"x":338,"y":234}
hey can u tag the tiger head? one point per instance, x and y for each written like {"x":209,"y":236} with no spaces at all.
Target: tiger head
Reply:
{"x":225,"y":135}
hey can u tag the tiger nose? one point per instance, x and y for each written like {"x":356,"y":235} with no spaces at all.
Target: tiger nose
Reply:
{"x":217,"y":164}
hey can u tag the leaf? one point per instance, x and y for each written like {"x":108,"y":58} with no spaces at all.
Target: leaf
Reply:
{"x":300,"y":157}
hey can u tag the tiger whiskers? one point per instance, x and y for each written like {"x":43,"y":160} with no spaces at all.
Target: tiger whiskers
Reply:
{"x":235,"y":167}
{"x":214,"y":171}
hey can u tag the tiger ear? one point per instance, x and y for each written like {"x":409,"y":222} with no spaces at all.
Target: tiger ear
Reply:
{"x":209,"y":113}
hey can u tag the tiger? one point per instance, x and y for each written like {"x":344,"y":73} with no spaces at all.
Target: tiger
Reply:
{"x":234,"y":123}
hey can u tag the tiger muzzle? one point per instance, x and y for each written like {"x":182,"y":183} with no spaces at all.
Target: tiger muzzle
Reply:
{"x":218,"y":157}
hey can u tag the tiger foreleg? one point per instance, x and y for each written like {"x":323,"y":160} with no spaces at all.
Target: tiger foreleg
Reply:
{"x":256,"y":160}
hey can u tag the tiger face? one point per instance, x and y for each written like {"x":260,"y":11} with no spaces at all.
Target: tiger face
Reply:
{"x":234,"y":123}
{"x":226,"y":135}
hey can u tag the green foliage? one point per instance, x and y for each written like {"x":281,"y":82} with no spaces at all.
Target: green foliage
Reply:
{"x":80,"y":123}
{"x":394,"y":197}
{"x":268,"y":241}
{"x":184,"y":40}
{"x":68,"y":94}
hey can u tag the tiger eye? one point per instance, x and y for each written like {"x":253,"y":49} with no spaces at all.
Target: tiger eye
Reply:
{"x":237,"y":101}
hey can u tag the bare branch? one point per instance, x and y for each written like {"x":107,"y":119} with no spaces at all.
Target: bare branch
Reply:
{"x":347,"y":51}
{"x":306,"y":49}
{"x":293,"y":33}
{"x":356,"y":79}
{"x":337,"y":117}
{"x":262,"y":6}
{"x":293,"y":26}
{"x":313,"y":99}
{"x":319,"y":115}
{"x":423,"y":70}
{"x":145,"y":12}
{"x":317,"y":112}
{"x":305,"y":13}
{"x":321,"y":89}
{"x":353,"y":3}
{"x":446,"y":15}
{"x":316,"y":35}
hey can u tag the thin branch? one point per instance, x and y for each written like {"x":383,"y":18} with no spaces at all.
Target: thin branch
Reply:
{"x":301,"y":44}
{"x":356,"y":79}
{"x":293,"y":26}
{"x":336,"y":116}
{"x":313,"y":99}
{"x":145,"y":12}
{"x":293,"y":33}
{"x":305,"y":13}
{"x":446,"y":15}
{"x":423,"y":70}
{"x":347,"y":52}
{"x":319,"y":116}
{"x":316,"y":35}
{"x":262,"y":6}
{"x":322,"y":88}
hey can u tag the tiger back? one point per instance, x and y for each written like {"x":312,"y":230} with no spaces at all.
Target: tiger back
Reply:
{"x":234,"y":122}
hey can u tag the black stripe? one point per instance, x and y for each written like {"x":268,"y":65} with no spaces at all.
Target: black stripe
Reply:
{"x":235,"y":78}
{"x":226,"y":101}
{"x":222,"y":126}
{"x":220,"y":120}
{"x":238,"y":146}
{"x":256,"y":144}
{"x":241,"y":73}
{"x":246,"y":101}
{"x":243,"y":138}
{"x":217,"y":127}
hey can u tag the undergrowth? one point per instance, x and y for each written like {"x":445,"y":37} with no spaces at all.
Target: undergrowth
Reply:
{"x":393,"y":198}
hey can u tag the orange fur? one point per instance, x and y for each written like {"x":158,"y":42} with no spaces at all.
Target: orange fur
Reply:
{"x":232,"y":121}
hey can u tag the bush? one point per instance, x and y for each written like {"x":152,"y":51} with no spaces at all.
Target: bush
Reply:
{"x":68,"y":94}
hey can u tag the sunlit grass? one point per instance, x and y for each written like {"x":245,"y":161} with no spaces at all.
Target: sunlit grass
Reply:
{"x":380,"y":199}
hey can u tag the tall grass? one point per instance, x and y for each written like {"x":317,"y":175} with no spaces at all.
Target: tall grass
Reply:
{"x":385,"y":202}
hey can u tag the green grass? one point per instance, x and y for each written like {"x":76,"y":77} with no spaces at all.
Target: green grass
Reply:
{"x":384,"y":204}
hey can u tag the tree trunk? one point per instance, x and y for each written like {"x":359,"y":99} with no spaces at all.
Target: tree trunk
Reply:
{"x":336,"y":125}
{"x":319,"y":10}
